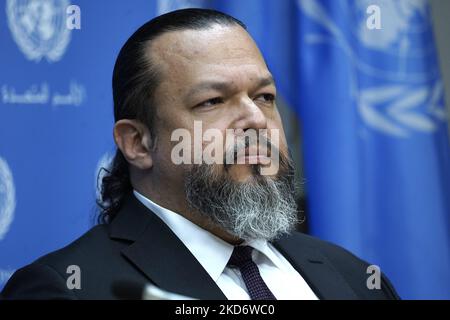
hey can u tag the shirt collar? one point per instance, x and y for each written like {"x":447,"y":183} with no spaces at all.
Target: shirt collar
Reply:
{"x":268,"y":253}
{"x":210,"y":251}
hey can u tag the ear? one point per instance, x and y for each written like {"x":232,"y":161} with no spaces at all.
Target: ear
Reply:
{"x":134,"y":140}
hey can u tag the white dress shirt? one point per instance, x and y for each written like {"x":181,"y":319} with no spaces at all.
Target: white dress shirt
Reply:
{"x":213,"y":254}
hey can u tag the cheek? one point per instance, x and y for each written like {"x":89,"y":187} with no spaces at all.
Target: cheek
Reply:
{"x":162,"y":153}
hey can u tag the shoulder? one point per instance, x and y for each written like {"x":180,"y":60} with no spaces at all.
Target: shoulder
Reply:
{"x":331,"y":251}
{"x":353,"y":269}
{"x":37,"y":281}
{"x":46,"y":278}
{"x":91,"y":244}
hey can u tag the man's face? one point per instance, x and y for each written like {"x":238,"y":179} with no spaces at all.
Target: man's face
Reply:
{"x":216,"y":76}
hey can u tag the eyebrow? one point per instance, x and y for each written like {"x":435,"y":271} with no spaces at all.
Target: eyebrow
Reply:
{"x":226,"y":86}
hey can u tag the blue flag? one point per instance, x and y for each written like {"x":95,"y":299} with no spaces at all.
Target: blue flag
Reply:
{"x":377,"y":154}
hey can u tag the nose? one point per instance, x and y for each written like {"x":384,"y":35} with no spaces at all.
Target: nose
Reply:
{"x":249,"y":116}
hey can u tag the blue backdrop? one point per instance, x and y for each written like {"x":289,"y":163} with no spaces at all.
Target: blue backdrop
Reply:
{"x":376,"y":149}
{"x":55,"y":119}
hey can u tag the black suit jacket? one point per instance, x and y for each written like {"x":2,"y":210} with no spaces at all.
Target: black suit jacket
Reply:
{"x":138,"y":246}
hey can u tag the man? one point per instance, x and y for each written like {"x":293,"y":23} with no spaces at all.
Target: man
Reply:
{"x":204,"y":229}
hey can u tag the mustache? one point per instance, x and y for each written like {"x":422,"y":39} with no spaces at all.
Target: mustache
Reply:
{"x":263,"y":145}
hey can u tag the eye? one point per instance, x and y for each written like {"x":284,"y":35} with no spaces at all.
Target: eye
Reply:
{"x":266,"y":98}
{"x":210,"y":102}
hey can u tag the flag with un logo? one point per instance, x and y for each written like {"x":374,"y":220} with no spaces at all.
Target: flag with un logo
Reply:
{"x":56,"y":62}
{"x":377,"y":152}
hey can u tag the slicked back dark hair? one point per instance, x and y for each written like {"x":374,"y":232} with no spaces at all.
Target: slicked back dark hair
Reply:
{"x":135,"y":79}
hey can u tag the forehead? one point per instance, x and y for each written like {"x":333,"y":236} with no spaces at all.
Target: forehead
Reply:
{"x":215,"y":51}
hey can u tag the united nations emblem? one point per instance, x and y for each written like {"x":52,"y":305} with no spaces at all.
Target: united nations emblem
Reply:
{"x":39,"y":27}
{"x":7,"y":198}
{"x":395,"y":78}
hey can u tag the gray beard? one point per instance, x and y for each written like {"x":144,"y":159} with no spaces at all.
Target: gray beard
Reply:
{"x":262,"y":208}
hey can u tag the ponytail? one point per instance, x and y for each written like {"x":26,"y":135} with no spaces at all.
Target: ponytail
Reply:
{"x":115,"y":186}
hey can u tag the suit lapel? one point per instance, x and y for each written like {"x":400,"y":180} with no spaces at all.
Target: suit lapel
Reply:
{"x":160,"y":255}
{"x":318,"y":272}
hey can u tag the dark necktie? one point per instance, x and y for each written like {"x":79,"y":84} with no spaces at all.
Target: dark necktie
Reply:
{"x":242,"y":259}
